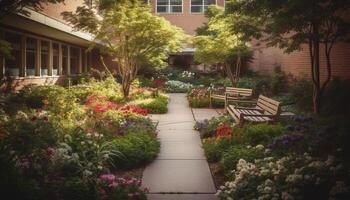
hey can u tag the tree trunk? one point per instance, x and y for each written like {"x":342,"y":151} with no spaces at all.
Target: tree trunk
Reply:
{"x":230,"y":75}
{"x":238,"y":68}
{"x":316,"y":69}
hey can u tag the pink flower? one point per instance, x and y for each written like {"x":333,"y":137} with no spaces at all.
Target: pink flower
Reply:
{"x":113,"y":184}
{"x":50,"y":151}
{"x":24,"y":163}
{"x":109,"y":178}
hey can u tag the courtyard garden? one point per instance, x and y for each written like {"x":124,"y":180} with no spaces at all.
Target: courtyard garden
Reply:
{"x":129,"y":128}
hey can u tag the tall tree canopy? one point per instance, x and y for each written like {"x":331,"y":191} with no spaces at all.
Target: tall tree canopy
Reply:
{"x":132,"y":36}
{"x":290,"y":23}
{"x":216,"y":45}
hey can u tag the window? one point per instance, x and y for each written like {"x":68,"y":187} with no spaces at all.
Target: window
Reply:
{"x":169,"y":6}
{"x":30,"y":56}
{"x":74,"y":60}
{"x":200,"y":6}
{"x":64,"y":60}
{"x":45,"y":62}
{"x":55,"y":61}
{"x":13,"y":64}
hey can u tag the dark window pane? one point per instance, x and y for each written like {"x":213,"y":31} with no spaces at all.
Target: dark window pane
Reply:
{"x":74,"y":60}
{"x":162,"y":9}
{"x":31,"y":56}
{"x":12,"y":65}
{"x":196,"y":2}
{"x":162,"y":2}
{"x":196,"y":9}
{"x":176,"y":9}
{"x":55,"y":49}
{"x":176,"y":2}
{"x":44,"y":58}
{"x":209,"y":2}
{"x":64,"y":59}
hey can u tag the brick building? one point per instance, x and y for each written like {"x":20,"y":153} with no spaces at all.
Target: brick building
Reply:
{"x":45,"y":48}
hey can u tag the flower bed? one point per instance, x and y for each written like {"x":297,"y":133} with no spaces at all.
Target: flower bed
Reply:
{"x":301,"y":158}
{"x":68,"y":143}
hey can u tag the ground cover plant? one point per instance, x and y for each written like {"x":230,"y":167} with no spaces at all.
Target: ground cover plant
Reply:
{"x":70,"y":142}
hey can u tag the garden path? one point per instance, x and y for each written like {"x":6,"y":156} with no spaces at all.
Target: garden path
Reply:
{"x":181,"y":171}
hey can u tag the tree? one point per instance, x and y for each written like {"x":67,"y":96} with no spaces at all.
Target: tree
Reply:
{"x":216,"y":45}
{"x":133,"y":37}
{"x":288,"y":24}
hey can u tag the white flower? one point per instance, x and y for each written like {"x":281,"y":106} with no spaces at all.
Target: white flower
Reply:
{"x":259,"y":147}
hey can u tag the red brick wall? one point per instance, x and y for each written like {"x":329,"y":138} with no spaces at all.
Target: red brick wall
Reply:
{"x":186,"y":20}
{"x":298,"y":62}
{"x":55,"y":10}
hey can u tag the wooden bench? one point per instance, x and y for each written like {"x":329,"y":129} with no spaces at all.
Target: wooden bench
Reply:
{"x":265,"y":110}
{"x":232,"y":94}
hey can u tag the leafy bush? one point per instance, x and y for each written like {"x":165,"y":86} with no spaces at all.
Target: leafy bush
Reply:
{"x":335,"y":100}
{"x":158,"y":105}
{"x":278,"y":81}
{"x":136,"y":148}
{"x":214,"y":148}
{"x":231,"y":156}
{"x":302,"y":91}
{"x":261,"y":133}
{"x":259,"y":84}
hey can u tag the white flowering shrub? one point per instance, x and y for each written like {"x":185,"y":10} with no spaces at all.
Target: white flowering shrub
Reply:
{"x":177,"y":86}
{"x":290,"y":177}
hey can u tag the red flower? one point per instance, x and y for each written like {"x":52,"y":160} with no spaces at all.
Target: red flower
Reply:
{"x":34,"y":118}
{"x":223,"y":131}
{"x":45,"y":118}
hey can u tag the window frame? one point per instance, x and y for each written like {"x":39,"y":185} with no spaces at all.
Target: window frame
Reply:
{"x":202,"y":6}
{"x":168,"y":6}
{"x":39,"y":39}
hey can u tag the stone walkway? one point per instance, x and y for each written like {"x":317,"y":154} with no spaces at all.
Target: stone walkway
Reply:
{"x":181,"y":171}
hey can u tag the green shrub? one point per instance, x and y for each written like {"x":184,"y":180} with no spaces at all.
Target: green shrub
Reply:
{"x":302,"y":91}
{"x":136,"y":149}
{"x":214,"y":147}
{"x":158,"y":105}
{"x":336,"y":98}
{"x":261,"y":133}
{"x":259,"y":84}
{"x":278,"y":81}
{"x":231,"y":156}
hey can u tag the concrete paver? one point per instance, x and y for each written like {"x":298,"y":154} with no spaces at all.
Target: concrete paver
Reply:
{"x":181,"y":166}
{"x":170,"y":176}
{"x":182,"y":197}
{"x":204,"y":113}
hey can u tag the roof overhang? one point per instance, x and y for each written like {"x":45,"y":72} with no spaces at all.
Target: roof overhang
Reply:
{"x":43,"y":25}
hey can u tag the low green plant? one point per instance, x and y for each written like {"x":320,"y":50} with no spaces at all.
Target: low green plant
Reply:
{"x":255,"y":134}
{"x":214,"y":148}
{"x":278,"y":81}
{"x":302,"y":91}
{"x":231,"y":156}
{"x":136,"y":149}
{"x":157,"y":105}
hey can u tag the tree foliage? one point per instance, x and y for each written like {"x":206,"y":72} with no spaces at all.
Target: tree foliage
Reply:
{"x":132,"y":36}
{"x":288,"y":24}
{"x":215,"y":44}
